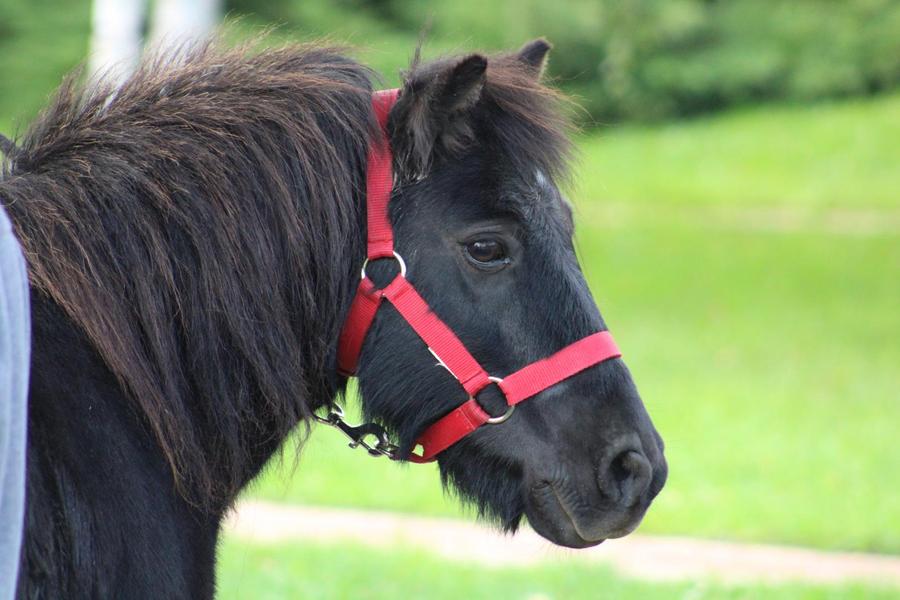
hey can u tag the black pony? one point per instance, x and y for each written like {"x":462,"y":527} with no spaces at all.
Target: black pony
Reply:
{"x":194,"y":239}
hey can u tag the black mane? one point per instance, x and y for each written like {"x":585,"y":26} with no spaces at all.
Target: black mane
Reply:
{"x":200,"y":225}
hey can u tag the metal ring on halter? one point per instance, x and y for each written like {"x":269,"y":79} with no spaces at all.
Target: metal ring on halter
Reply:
{"x":397,"y":257}
{"x":492,"y":420}
{"x":509,"y":411}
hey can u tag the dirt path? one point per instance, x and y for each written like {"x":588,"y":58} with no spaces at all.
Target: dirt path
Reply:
{"x":642,"y":556}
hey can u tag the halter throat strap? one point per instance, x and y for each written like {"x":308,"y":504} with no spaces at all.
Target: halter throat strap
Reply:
{"x":442,"y":342}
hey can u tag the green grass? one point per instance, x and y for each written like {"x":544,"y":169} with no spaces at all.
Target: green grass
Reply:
{"x":312,"y":571}
{"x":40,"y":41}
{"x":809,"y":157}
{"x":768,"y":359}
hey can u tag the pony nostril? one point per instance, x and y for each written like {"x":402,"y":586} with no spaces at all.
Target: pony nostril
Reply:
{"x":627,"y":477}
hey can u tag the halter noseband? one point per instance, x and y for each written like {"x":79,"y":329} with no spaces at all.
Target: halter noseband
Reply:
{"x":442,"y":342}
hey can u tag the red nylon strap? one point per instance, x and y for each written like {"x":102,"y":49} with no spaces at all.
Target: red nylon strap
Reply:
{"x":380,"y":181}
{"x":434,"y":332}
{"x":521,"y":385}
{"x":379,"y":234}
{"x":539,"y":375}
{"x":359,"y":320}
{"x":448,"y":430}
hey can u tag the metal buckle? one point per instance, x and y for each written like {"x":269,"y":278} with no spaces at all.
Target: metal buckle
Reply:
{"x":358,"y":433}
{"x":397,"y":257}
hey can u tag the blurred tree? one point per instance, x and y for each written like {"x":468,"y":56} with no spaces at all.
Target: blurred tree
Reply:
{"x":622,"y":59}
{"x":184,"y":20}
{"x":116,"y":36}
{"x":117,"y":26}
{"x":647,"y":59}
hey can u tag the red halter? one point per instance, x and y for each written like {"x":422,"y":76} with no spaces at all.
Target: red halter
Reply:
{"x":443,"y":343}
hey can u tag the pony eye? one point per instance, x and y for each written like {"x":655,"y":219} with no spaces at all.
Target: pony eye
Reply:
{"x":487,"y":253}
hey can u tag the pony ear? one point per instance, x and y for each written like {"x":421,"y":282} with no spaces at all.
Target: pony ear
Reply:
{"x":464,"y":83}
{"x":433,"y":112}
{"x":534,"y":55}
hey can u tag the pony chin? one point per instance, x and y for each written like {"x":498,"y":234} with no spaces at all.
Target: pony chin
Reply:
{"x":492,"y":485}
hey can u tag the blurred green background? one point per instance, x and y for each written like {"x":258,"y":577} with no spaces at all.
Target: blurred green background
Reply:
{"x":738,"y":192}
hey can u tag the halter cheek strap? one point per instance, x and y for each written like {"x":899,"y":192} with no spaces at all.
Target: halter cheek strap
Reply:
{"x":442,"y":342}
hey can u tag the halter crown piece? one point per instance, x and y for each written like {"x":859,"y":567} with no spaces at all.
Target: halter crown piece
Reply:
{"x":442,"y":342}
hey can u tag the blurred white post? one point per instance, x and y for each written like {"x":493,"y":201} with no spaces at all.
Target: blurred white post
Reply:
{"x":181,"y":21}
{"x":115,"y":37}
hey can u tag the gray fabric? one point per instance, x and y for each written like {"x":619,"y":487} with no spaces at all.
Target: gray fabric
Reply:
{"x":15,"y":346}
